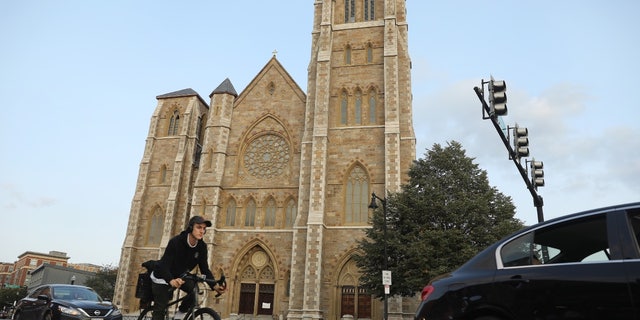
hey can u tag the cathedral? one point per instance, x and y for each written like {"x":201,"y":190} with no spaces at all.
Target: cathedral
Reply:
{"x":285,"y":176}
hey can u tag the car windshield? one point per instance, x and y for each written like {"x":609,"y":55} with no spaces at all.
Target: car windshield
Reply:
{"x":75,"y":293}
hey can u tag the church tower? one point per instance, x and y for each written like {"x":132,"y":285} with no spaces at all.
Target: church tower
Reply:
{"x":358,"y":139}
{"x":285,"y":177}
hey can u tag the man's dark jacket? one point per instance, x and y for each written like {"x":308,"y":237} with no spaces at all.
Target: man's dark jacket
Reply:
{"x":179,"y":258}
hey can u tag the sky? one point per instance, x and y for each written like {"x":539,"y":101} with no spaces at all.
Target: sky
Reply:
{"x":78,"y":81}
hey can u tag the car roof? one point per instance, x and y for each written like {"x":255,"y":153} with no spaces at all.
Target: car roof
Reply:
{"x":586,"y":212}
{"x":486,"y":259}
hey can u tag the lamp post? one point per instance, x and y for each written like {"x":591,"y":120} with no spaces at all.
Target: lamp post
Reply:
{"x":374,"y":205}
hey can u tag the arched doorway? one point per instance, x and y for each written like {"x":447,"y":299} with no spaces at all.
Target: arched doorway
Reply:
{"x":354,"y":299}
{"x":257,"y":283}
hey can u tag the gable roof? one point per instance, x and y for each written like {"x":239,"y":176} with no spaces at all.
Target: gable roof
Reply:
{"x":273,"y":63}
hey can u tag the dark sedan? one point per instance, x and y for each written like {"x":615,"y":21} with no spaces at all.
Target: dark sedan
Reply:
{"x":581,"y":266}
{"x":65,"y":302}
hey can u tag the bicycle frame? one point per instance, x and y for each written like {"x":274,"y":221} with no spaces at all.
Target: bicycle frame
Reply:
{"x":195,"y":312}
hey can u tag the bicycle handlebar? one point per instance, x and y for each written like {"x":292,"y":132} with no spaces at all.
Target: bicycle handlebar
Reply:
{"x":222,"y":282}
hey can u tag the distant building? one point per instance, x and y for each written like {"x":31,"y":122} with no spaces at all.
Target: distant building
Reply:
{"x":86,"y":267}
{"x":5,"y":273}
{"x":47,"y":273}
{"x":31,"y":260}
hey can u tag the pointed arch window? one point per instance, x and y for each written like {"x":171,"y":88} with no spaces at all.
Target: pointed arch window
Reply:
{"x":290,"y":213}
{"x":369,"y":53}
{"x":250,"y":214}
{"x":203,"y":207}
{"x":270,"y":213}
{"x":163,"y":174}
{"x":211,"y":159}
{"x":357,"y":196}
{"x":372,"y":106}
{"x":174,"y":123}
{"x":349,"y":11}
{"x":155,"y":228}
{"x":347,"y":55}
{"x":343,"y":108}
{"x":272,"y":88}
{"x":358,"y":117}
{"x":230,"y":220}
{"x":369,"y":10}
{"x":200,"y":130}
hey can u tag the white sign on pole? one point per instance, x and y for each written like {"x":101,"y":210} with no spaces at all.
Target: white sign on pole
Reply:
{"x":386,"y":277}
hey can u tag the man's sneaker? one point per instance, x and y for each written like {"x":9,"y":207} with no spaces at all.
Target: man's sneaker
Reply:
{"x":179,"y":315}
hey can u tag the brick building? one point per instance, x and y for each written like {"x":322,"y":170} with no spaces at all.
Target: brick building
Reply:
{"x":284,"y":175}
{"x":6,"y":269}
{"x":31,"y":260}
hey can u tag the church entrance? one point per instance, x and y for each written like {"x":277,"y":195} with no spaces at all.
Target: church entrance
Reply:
{"x":355,"y":300}
{"x":264,"y":294}
{"x":257,"y":287}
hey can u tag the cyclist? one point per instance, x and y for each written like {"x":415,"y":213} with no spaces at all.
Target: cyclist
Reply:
{"x":183,"y":253}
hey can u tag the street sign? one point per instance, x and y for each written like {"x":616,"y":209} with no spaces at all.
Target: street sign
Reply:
{"x":503,"y":126}
{"x":386,"y":277}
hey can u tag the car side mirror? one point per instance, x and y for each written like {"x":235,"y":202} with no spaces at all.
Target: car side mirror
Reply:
{"x":44,"y":297}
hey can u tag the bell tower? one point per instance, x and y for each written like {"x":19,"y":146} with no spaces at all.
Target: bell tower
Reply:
{"x":358,"y":139}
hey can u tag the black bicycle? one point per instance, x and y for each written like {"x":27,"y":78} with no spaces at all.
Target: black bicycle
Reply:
{"x":195,"y":312}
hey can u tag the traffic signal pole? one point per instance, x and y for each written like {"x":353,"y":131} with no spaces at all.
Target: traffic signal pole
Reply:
{"x":513,"y":155}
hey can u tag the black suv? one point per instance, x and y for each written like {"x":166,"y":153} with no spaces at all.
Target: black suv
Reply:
{"x":581,"y":266}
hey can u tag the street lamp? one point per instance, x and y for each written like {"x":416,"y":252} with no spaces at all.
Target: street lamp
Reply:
{"x":374,"y":205}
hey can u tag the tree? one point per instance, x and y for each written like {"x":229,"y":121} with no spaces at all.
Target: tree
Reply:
{"x":104,"y":282}
{"x":443,"y":216}
{"x":9,"y":295}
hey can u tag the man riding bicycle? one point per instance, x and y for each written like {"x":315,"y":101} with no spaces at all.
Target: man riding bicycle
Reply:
{"x":183,"y":253}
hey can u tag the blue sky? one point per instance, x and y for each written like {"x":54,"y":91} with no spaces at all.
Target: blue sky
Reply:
{"x":78,"y":81}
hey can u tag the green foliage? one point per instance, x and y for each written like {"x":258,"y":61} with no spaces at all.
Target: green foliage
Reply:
{"x":104,"y":282}
{"x":9,"y":295}
{"x":444,"y":215}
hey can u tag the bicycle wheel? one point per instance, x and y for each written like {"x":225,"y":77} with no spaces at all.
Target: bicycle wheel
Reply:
{"x":204,"y":314}
{"x":145,"y":314}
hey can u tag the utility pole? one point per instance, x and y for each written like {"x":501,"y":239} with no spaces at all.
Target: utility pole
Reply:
{"x":496,"y":108}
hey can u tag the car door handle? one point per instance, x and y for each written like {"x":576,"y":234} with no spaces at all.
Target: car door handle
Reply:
{"x":518,"y":280}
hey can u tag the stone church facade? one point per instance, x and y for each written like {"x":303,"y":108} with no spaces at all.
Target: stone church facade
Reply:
{"x":285,"y":176}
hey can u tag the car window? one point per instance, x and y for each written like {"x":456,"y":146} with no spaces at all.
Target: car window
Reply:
{"x":634,"y":220}
{"x":34,"y":294}
{"x":580,"y":240}
{"x":39,"y":291}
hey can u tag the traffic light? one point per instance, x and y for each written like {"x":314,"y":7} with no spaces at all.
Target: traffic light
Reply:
{"x":497,"y":97}
{"x":521,"y":142}
{"x":537,"y":174}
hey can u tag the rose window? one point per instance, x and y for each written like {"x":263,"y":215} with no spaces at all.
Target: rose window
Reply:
{"x":267,"y":156}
